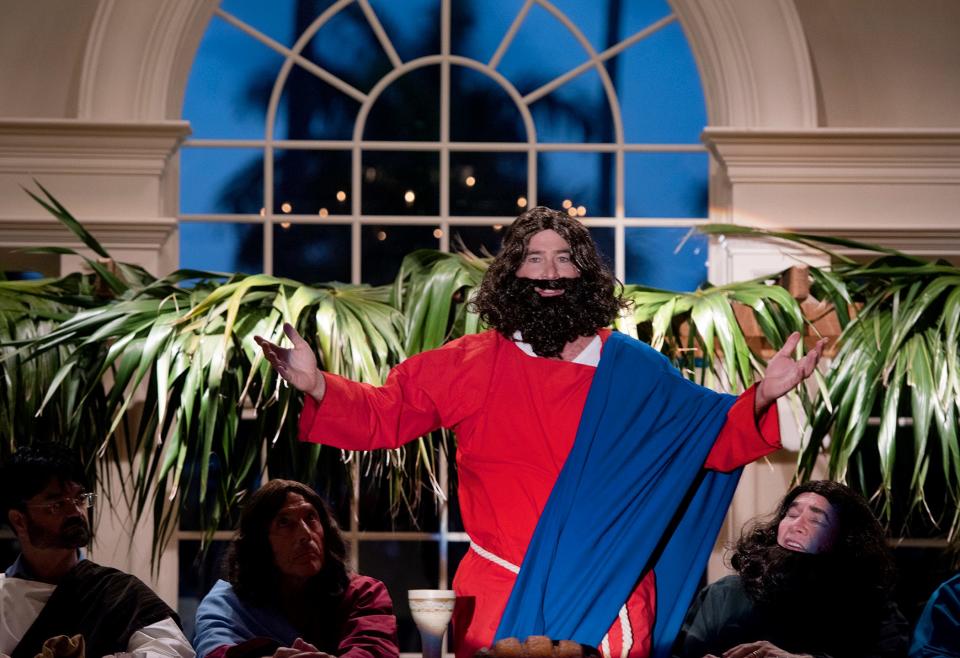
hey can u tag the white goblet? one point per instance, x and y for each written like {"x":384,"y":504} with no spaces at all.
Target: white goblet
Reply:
{"x":431,"y":610}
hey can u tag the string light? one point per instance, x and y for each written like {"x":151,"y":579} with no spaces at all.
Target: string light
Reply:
{"x":470,"y":181}
{"x":498,"y":227}
{"x":381,"y":235}
{"x":567,"y":204}
{"x":572,"y":212}
{"x":437,"y":233}
{"x":284,"y":225}
{"x":409,"y":197}
{"x":522,"y":202}
{"x":581,"y":210}
{"x":341,"y":196}
{"x":286,"y":207}
{"x":263,"y":212}
{"x":323,"y":212}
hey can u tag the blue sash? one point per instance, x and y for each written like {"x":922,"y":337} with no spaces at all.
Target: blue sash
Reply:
{"x":631,"y":496}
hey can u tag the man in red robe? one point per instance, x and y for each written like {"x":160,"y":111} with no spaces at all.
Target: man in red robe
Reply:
{"x":514,"y":395}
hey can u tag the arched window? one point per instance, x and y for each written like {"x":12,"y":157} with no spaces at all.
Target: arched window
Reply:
{"x":332,"y":138}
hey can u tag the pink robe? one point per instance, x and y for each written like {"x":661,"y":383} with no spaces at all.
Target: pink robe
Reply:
{"x":515,"y":418}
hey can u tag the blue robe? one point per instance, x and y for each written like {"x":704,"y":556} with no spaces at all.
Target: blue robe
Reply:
{"x":632,"y":495}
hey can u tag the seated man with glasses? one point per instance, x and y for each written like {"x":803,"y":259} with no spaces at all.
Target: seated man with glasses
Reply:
{"x":50,"y":591}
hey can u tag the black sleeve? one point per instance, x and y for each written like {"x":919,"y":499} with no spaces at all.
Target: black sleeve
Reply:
{"x":697,"y":634}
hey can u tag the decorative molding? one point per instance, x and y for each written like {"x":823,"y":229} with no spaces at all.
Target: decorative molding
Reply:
{"x":897,"y":185}
{"x":111,"y":175}
{"x":138,"y":58}
{"x":753,"y":60}
{"x":149,"y":233}
{"x":833,"y":155}
{"x":59,"y":146}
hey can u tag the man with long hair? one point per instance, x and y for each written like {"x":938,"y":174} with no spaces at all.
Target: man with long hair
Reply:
{"x":50,"y":591}
{"x":550,"y":405}
{"x":288,"y":590}
{"x":815,"y":579}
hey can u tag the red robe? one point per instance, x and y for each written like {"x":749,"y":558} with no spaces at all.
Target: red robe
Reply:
{"x":515,"y":417}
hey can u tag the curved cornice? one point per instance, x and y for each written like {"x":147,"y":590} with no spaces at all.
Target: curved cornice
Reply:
{"x":753,"y":59}
{"x":138,"y":57}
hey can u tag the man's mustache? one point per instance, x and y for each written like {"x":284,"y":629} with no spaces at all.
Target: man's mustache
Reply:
{"x":548,"y":284}
{"x":74,"y":524}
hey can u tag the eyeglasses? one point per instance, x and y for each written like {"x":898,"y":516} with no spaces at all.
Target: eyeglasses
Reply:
{"x":57,"y":507}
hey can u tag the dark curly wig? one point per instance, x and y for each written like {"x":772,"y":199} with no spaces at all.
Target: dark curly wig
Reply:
{"x":508,"y":304}
{"x":857,"y":573}
{"x":249,"y":565}
{"x":30,"y":469}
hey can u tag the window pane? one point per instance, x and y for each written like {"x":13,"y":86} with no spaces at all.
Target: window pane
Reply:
{"x":666,"y":184}
{"x":479,"y":240}
{"x":542,"y":50}
{"x":454,"y":517}
{"x":312,"y":182}
{"x":275,"y":19}
{"x":479,"y":30}
{"x":487,"y":184}
{"x":401,"y":183}
{"x":311,"y":108}
{"x":377,"y":494}
{"x":229,"y":84}
{"x":198,"y":573}
{"x":193,"y":512}
{"x":671,"y":258}
{"x":239,"y":247}
{"x":577,"y":111}
{"x":594,"y":18}
{"x":376,"y":515}
{"x":583,"y":179}
{"x":221,"y":180}
{"x":408,"y":109}
{"x":605,"y":239}
{"x":659,"y":88}
{"x":347,"y":47}
{"x":481,"y":110}
{"x":456,"y":551}
{"x":384,"y":248}
{"x":414,"y":25}
{"x":312,"y":253}
{"x":402,"y":566}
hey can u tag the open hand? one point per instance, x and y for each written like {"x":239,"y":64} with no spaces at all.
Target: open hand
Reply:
{"x":761,"y":649}
{"x":784,"y":372}
{"x":300,"y":649}
{"x":297,"y":365}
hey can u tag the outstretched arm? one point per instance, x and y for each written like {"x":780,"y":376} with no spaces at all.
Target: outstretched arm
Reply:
{"x":297,"y":365}
{"x":785,"y":373}
{"x":752,"y":429}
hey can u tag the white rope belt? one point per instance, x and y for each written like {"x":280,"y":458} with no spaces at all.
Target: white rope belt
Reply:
{"x":496,"y":559}
{"x":623,"y":618}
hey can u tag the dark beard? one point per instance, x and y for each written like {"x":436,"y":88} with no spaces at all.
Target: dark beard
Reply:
{"x":795,"y":578}
{"x":73,"y":533}
{"x":549,"y":323}
{"x":798,"y":583}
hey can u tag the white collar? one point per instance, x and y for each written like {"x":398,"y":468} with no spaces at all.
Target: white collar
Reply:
{"x":590,"y":356}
